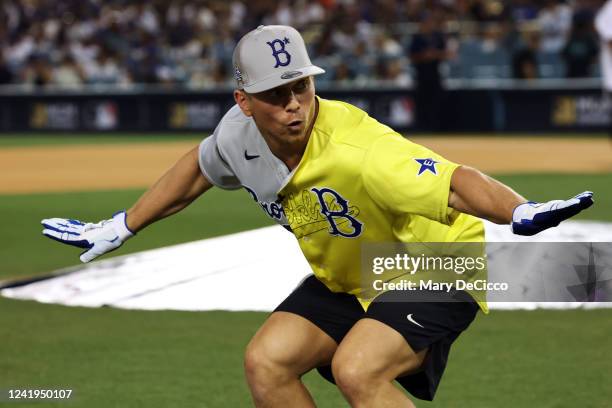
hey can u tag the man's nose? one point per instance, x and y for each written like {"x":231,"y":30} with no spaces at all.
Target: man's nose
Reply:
{"x":292,"y":104}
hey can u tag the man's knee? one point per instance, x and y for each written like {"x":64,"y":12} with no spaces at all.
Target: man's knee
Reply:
{"x":262,"y":369}
{"x":356,"y":376}
{"x":351,"y":377}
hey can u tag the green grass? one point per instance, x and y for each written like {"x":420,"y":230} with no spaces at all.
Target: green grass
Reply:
{"x":113,"y":358}
{"x":66,"y":138}
{"x":544,"y":187}
{"x":117,"y":358}
{"x":25,"y":251}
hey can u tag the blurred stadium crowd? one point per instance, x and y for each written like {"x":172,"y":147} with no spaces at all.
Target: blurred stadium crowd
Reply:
{"x":68,"y":43}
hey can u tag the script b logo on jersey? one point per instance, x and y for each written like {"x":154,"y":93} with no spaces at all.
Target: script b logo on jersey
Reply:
{"x":280,"y":54}
{"x":337,"y":212}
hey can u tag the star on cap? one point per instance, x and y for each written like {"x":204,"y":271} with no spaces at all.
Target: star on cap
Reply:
{"x":427,"y":164}
{"x":286,"y":40}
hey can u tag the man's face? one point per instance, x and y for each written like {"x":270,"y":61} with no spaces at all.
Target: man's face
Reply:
{"x":285,"y":112}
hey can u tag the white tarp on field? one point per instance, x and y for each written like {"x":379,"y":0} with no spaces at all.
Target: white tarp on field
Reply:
{"x":252,"y":270}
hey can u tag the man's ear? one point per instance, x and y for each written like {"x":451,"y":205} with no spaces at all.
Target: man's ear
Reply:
{"x":244,"y":101}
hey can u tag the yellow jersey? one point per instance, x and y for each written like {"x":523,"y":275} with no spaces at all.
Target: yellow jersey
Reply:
{"x":360,"y":182}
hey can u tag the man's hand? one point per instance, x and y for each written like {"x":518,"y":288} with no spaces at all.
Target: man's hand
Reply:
{"x":98,"y":239}
{"x":531,"y":218}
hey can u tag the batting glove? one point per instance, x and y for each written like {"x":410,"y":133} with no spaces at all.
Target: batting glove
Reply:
{"x":530,"y":218}
{"x":100,"y":238}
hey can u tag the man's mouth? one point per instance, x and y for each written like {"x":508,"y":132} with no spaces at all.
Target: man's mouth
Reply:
{"x":295,"y":124}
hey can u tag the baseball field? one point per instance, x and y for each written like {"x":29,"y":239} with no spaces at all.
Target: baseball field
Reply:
{"x":126,"y":358}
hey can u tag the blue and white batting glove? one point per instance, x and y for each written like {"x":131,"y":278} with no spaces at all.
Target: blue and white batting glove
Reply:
{"x":100,"y":238}
{"x":530,"y":218}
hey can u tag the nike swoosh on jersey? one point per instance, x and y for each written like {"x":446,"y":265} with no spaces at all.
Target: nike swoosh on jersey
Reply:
{"x":411,"y":320}
{"x":250,"y":157}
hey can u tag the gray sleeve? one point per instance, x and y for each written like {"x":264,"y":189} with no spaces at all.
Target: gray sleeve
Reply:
{"x":214,"y":167}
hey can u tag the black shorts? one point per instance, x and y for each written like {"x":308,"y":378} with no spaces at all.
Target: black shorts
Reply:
{"x":437,"y":325}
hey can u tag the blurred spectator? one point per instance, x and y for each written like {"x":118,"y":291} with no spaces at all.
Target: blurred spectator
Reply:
{"x":486,"y":11}
{"x":308,"y":12}
{"x":427,"y":52}
{"x":237,"y":14}
{"x":209,"y":74}
{"x":68,"y":74}
{"x":324,"y":45}
{"x":112,"y":35}
{"x":162,"y":42}
{"x":555,"y":22}
{"x":84,"y":52}
{"x":524,"y":11}
{"x":41,"y":45}
{"x":283,"y":14}
{"x":387,"y":45}
{"x":581,"y":49}
{"x":343,"y":74}
{"x":223,"y":47}
{"x":19,"y":49}
{"x":145,"y":17}
{"x":106,"y":70}
{"x":220,"y":75}
{"x":6,"y":75}
{"x":391,"y":72}
{"x":491,"y":37}
{"x":37,"y":72}
{"x":345,"y":36}
{"x":525,"y":61}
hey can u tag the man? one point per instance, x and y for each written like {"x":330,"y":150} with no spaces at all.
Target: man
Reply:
{"x":427,"y":52}
{"x":524,"y":60}
{"x":603,"y":24}
{"x":580,"y":51}
{"x":336,"y":179}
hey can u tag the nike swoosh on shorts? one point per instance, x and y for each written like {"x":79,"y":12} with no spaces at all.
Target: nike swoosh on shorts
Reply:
{"x":411,"y":320}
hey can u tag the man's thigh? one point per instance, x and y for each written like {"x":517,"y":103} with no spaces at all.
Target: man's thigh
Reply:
{"x":305,"y":329}
{"x":379,"y":350}
{"x":407,"y":340}
{"x":292,"y":342}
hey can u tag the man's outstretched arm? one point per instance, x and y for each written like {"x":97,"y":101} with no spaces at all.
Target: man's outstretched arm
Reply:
{"x":475,"y":193}
{"x":175,"y":190}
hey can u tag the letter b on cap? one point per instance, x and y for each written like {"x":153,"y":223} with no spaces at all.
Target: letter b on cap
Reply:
{"x":282,"y":57}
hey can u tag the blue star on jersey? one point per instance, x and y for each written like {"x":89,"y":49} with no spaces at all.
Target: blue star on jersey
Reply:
{"x":427,"y":164}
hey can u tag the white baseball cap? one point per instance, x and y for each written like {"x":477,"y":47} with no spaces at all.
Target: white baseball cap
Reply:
{"x":270,"y":56}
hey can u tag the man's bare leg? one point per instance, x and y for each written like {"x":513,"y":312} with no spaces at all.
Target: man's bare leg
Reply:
{"x":282,"y":350}
{"x":368,"y":360}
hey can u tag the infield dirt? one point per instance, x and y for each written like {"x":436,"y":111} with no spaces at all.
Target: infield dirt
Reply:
{"x":138,"y":165}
